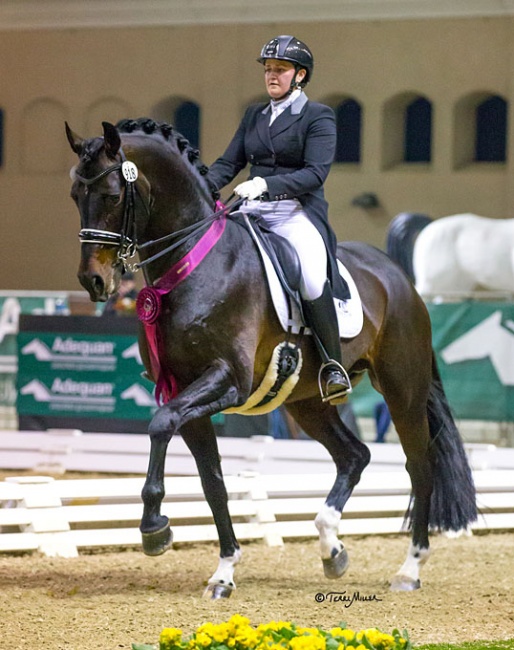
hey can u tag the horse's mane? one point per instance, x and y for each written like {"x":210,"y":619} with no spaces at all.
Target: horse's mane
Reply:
{"x":169,"y":133}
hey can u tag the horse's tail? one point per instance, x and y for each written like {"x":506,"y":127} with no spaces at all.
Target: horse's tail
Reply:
{"x":401,"y":237}
{"x":453,"y":502}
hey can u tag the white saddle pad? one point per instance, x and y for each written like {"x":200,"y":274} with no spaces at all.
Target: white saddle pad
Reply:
{"x":349,"y":312}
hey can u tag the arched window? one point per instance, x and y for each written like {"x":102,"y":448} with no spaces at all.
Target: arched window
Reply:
{"x":418,"y":131}
{"x":407,"y":130}
{"x":183,"y":114}
{"x":1,"y":137}
{"x":491,"y":130}
{"x":187,"y":122}
{"x":349,"y":123}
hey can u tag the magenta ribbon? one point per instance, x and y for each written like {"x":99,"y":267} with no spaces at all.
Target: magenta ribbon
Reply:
{"x":149,"y":303}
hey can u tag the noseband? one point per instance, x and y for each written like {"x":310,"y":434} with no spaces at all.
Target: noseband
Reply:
{"x":126,"y":240}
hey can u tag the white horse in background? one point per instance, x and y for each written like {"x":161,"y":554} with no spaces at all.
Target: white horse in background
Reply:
{"x":462,"y":253}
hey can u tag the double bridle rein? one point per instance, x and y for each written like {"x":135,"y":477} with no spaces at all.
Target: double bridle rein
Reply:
{"x":126,"y":240}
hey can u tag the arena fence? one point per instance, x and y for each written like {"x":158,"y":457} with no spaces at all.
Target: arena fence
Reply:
{"x":60,"y":450}
{"x":63,"y":517}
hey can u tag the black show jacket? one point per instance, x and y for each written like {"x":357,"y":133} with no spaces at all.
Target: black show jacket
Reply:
{"x":294,"y":155}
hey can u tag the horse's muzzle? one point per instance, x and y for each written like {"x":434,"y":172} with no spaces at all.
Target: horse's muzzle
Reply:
{"x":94,"y":284}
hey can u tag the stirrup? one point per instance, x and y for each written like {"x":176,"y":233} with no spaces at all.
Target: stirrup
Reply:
{"x":325,"y":397}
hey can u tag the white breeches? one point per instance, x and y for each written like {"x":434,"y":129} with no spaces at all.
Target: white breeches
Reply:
{"x":288,"y":219}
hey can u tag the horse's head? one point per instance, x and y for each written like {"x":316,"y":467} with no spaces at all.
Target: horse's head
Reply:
{"x":99,"y":190}
{"x":123,"y":207}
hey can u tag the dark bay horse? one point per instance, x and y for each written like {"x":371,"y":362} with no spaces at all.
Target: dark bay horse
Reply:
{"x":217,"y":330}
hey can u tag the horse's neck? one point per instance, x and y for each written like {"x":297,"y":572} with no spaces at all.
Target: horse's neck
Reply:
{"x":175,"y":209}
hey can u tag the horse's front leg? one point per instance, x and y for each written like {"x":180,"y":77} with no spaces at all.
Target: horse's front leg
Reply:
{"x":200,"y":437}
{"x":209,"y":394}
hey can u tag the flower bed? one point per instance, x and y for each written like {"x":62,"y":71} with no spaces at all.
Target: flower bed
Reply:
{"x":238,"y":634}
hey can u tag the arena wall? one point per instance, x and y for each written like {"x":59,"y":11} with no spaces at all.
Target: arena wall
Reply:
{"x":87,"y":75}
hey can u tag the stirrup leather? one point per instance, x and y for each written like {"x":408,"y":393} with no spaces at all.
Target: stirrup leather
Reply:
{"x":343,"y":393}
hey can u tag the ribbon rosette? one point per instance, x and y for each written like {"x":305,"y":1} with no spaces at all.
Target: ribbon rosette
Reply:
{"x":148,"y":305}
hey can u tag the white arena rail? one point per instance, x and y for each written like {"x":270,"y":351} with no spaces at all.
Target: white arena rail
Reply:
{"x":61,"y":517}
{"x":59,"y":450}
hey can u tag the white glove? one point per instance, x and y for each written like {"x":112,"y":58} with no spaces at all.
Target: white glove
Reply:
{"x":252,"y":189}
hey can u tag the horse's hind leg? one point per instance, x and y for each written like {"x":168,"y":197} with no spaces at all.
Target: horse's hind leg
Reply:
{"x":322,"y":423}
{"x":411,"y":422}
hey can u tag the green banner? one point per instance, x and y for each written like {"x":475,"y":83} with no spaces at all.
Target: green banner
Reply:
{"x":474,"y":345}
{"x":84,"y":367}
{"x":13,"y":304}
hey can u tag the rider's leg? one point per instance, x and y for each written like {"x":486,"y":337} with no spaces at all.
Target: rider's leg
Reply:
{"x":319,"y":309}
{"x":321,"y":317}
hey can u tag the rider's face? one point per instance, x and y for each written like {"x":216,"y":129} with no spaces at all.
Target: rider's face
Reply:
{"x":278,"y":76}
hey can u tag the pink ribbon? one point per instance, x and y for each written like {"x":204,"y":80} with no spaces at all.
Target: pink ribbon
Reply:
{"x":149,"y":303}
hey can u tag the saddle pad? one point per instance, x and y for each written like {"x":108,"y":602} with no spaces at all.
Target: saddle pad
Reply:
{"x":349,"y":312}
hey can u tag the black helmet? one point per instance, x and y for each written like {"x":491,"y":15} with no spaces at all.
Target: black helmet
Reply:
{"x":289,"y":48}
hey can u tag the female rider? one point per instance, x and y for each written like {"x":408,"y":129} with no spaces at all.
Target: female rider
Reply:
{"x":290,"y":144}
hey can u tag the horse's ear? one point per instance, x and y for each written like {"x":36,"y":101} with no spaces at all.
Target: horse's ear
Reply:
{"x":75,"y":140}
{"x":112,"y":139}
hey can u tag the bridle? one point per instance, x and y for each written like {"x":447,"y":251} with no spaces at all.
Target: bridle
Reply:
{"x":126,"y":240}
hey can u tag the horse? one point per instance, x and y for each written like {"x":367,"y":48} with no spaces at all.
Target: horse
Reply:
{"x":140,"y":185}
{"x":461,"y":253}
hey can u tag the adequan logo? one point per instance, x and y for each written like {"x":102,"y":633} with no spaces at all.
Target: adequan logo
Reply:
{"x":68,"y":394}
{"x":73,"y":354}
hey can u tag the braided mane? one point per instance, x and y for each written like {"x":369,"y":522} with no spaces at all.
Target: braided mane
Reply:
{"x":168,"y":132}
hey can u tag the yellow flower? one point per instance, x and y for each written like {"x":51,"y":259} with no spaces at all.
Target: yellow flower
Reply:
{"x":307,"y":642}
{"x":238,"y":634}
{"x":344,"y":632}
{"x":309,"y":630}
{"x":247,"y":637}
{"x":202,"y":639}
{"x":170,"y":637}
{"x":276,"y":626}
{"x":238,"y":621}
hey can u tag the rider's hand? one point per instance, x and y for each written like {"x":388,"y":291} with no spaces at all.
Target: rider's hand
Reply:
{"x":252,"y":189}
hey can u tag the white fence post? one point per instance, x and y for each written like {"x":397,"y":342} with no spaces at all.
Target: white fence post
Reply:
{"x":46,"y":514}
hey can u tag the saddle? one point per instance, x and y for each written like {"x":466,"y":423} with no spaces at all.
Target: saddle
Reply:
{"x":281,"y":253}
{"x":283,"y":273}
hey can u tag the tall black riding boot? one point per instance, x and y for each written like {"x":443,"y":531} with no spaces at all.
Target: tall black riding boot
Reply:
{"x":321,"y":317}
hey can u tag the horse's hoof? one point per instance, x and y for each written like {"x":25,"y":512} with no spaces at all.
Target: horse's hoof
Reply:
{"x":158,"y":542}
{"x":404,"y":583}
{"x":216,"y":591}
{"x":334,"y":567}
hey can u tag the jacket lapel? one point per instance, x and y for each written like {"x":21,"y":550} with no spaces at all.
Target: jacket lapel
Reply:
{"x":262,"y":126}
{"x":289,"y":116}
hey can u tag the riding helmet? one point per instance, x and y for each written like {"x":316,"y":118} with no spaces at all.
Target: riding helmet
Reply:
{"x":289,"y":48}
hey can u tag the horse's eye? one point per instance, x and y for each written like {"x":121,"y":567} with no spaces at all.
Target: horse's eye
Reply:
{"x":112,"y":199}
